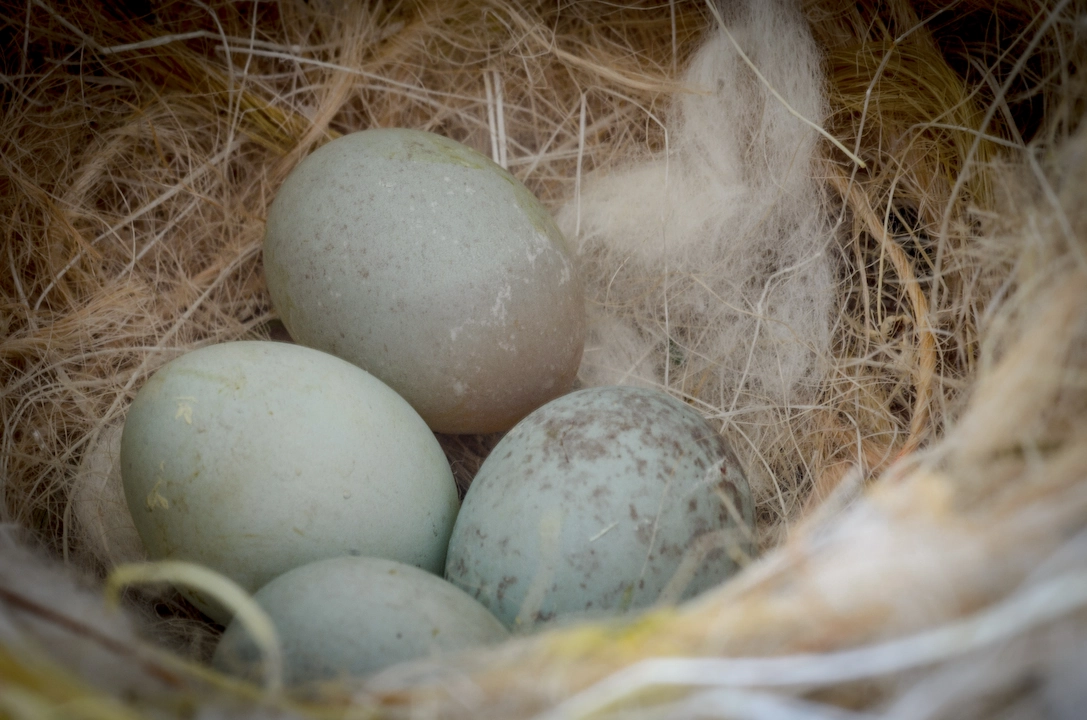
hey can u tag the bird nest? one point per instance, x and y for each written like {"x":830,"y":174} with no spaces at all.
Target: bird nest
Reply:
{"x":853,"y":236}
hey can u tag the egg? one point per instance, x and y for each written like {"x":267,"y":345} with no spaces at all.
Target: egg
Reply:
{"x":255,"y":457}
{"x":430,"y":266}
{"x":602,"y":501}
{"x":352,"y":616}
{"x":98,"y":503}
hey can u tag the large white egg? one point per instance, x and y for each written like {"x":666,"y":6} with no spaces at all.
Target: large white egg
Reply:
{"x":430,"y":266}
{"x":255,"y":457}
{"x":350,"y":617}
{"x":597,"y":503}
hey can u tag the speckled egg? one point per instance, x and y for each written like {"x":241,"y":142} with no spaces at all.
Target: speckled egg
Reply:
{"x":255,"y":457}
{"x":602,"y":501}
{"x":350,"y":617}
{"x":430,"y":266}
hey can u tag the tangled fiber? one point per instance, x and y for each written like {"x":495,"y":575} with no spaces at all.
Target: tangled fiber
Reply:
{"x":853,"y":236}
{"x":711,"y":259}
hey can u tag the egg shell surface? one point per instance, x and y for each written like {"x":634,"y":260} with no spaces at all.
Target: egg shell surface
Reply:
{"x":255,"y":457}
{"x":594,"y":504}
{"x":422,"y":261}
{"x":352,"y":616}
{"x":98,"y":503}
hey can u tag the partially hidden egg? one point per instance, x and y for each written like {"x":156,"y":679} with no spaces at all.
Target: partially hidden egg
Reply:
{"x":255,"y":457}
{"x":602,"y":501}
{"x":350,"y":617}
{"x":422,"y":261}
{"x":98,"y":503}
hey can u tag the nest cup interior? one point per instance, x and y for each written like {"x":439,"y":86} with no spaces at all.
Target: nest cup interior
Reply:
{"x":852,"y":238}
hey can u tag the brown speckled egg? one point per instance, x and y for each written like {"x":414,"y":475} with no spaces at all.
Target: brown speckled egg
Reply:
{"x":602,"y":501}
{"x":431,"y":267}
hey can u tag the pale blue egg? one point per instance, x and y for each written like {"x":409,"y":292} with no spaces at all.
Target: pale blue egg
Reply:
{"x":350,"y":617}
{"x":255,"y":457}
{"x":598,"y":503}
{"x":420,"y":260}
